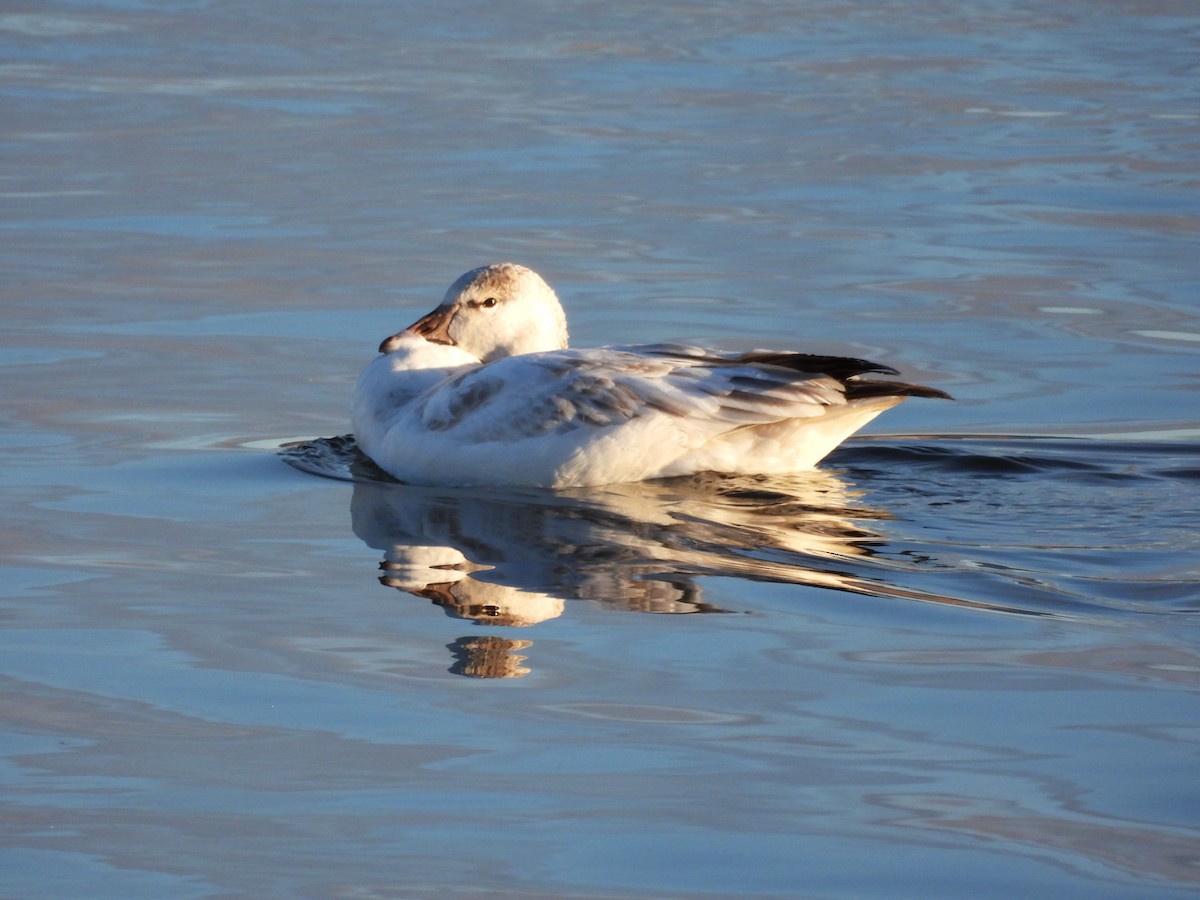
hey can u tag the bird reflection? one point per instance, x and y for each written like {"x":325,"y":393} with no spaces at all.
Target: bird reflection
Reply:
{"x":515,"y":558}
{"x":489,"y":656}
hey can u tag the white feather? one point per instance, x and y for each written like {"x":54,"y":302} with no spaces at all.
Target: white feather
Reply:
{"x":507,"y":403}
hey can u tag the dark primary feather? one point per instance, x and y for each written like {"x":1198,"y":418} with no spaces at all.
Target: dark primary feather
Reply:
{"x":844,"y":369}
{"x":865,"y":390}
{"x":839,"y":367}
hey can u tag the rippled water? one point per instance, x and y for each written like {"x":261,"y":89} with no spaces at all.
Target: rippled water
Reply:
{"x":1025,"y":526}
{"x":961,"y":660}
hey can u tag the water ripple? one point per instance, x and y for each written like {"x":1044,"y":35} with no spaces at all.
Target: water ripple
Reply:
{"x":1088,"y":528}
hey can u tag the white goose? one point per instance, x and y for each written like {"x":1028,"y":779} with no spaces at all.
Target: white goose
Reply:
{"x":483,"y":390}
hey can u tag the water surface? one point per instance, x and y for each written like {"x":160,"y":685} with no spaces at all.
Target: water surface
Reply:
{"x":960,"y":660}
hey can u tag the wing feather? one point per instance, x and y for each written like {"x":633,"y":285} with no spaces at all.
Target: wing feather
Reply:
{"x":562,"y":391}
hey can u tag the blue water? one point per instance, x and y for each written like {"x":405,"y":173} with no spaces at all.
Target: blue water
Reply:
{"x":961,"y":660}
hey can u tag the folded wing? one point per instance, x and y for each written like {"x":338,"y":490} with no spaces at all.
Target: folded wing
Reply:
{"x":565,"y":391}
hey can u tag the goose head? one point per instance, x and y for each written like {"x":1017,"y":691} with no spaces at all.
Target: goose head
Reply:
{"x":492,"y":312}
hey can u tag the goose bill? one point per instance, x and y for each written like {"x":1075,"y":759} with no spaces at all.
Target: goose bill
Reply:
{"x":433,"y":327}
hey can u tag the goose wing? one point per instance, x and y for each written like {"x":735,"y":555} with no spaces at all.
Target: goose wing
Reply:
{"x":565,"y":391}
{"x":846,"y":370}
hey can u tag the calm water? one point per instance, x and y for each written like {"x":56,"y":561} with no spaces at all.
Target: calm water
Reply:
{"x":962,"y":660}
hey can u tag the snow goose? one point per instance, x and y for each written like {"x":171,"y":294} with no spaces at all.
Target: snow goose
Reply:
{"x":484,"y":391}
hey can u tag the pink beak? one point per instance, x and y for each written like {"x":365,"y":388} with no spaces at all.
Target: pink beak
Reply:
{"x":433,"y":327}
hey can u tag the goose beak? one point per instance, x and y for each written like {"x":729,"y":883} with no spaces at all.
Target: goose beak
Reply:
{"x":434,"y":327}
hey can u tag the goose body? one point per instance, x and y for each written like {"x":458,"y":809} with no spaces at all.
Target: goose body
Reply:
{"x":483,"y":390}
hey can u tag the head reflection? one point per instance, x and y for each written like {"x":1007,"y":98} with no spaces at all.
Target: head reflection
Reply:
{"x":489,"y":657}
{"x":515,"y":558}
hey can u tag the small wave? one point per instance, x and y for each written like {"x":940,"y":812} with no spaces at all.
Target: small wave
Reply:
{"x":334,"y":457}
{"x":1019,"y":456}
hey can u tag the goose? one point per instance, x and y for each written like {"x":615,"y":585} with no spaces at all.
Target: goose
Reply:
{"x":484,"y":391}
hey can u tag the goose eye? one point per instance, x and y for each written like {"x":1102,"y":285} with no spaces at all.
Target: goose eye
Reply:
{"x":489,"y":303}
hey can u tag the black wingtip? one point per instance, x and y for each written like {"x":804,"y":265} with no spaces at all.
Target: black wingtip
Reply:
{"x":865,"y":390}
{"x":839,"y":367}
